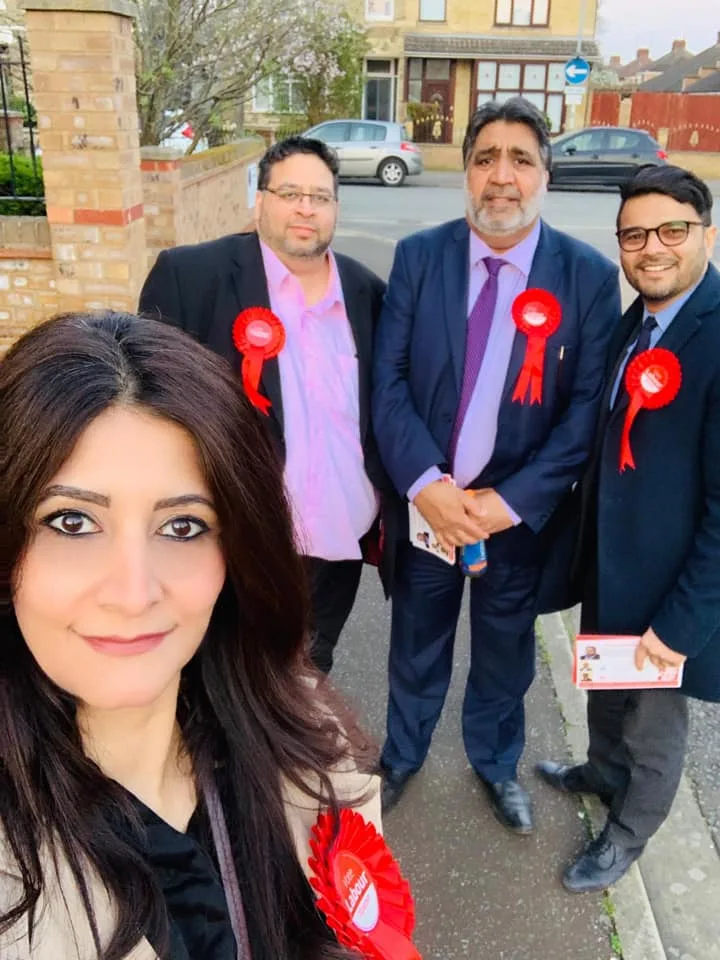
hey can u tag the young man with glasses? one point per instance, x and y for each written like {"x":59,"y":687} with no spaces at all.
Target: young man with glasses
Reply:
{"x":648,"y":557}
{"x":319,"y":383}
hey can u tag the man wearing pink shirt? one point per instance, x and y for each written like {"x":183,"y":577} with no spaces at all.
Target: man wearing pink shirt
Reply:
{"x":319,"y":384}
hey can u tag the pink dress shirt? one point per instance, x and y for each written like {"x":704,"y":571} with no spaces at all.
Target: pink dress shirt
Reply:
{"x":333,"y":502}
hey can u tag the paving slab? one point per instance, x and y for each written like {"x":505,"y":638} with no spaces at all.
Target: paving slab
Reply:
{"x":482,"y":893}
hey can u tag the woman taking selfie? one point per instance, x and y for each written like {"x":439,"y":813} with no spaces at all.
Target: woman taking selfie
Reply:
{"x":163,"y":754}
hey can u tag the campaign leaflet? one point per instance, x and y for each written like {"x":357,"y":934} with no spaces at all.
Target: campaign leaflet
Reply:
{"x":608,"y":663}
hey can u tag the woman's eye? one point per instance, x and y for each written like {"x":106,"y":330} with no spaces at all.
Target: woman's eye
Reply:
{"x":183,"y":528}
{"x":71,"y":524}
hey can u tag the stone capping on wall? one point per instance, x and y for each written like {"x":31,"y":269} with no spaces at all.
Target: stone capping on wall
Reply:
{"x":123,"y":8}
{"x":199,"y":165}
{"x":26,"y":238}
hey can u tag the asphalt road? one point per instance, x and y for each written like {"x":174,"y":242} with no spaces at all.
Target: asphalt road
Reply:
{"x":372,"y":220}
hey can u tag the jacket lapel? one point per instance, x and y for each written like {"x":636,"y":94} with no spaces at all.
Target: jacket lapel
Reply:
{"x":357,"y":307}
{"x":251,"y":290}
{"x":545,"y":274}
{"x":628,"y":330}
{"x":456,"y":270}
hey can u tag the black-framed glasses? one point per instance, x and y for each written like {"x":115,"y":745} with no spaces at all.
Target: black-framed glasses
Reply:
{"x":318,"y":201}
{"x":670,"y":234}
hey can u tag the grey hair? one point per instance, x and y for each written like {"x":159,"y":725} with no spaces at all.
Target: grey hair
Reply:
{"x":515,"y":110}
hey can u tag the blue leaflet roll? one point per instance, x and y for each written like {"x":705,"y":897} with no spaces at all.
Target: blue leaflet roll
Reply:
{"x":473,"y":559}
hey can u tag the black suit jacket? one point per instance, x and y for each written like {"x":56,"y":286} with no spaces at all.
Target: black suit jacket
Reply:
{"x":649,"y":543}
{"x":202,"y":288}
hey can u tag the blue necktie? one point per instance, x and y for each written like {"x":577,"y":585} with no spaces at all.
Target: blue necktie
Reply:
{"x":642,"y":343}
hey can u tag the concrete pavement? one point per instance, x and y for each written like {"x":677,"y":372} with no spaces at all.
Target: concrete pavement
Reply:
{"x":481,"y":892}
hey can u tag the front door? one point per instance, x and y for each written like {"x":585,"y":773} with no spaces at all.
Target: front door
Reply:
{"x":439,"y":124}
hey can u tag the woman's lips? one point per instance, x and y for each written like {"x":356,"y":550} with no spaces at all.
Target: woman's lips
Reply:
{"x":126,"y":646}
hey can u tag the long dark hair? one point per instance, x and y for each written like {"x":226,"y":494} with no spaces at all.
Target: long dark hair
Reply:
{"x":245,"y":704}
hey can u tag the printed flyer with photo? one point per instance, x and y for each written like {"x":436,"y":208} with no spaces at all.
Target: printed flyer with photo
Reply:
{"x":608,"y":663}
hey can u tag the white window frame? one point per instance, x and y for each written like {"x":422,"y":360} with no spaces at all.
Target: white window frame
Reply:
{"x":507,"y":15}
{"x":272,"y":109}
{"x":429,"y":16}
{"x":379,"y":11}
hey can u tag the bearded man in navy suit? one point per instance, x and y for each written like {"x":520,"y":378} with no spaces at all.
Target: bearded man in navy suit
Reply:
{"x":448,"y":398}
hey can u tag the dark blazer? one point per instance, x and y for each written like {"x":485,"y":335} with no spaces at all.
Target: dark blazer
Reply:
{"x":655,"y":530}
{"x":202,"y":288}
{"x":540,"y":450}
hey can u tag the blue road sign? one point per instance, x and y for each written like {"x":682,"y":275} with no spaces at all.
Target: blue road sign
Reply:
{"x":577,"y":70}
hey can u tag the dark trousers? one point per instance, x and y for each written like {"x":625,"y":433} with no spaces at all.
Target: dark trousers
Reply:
{"x":425,"y":607}
{"x":637,"y":751}
{"x":334,"y":586}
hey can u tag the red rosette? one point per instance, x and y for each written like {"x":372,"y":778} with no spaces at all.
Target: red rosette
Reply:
{"x":364,"y":897}
{"x":537,"y":314}
{"x":258,"y":335}
{"x":652,"y":380}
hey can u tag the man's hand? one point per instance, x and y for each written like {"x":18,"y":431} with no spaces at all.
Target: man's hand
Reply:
{"x":492,"y":511}
{"x":653,"y":649}
{"x":451,"y":513}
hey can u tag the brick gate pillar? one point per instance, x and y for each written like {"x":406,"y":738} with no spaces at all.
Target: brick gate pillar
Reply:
{"x":83,"y":68}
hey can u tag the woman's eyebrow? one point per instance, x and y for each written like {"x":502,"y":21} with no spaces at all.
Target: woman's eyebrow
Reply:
{"x":89,"y":496}
{"x":75,"y":493}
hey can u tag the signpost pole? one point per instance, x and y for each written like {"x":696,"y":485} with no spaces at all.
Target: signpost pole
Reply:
{"x":581,"y":28}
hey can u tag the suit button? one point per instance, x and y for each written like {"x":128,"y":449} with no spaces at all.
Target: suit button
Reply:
{"x":447,"y":417}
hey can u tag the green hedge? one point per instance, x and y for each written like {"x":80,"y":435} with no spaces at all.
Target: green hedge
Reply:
{"x":27,"y":184}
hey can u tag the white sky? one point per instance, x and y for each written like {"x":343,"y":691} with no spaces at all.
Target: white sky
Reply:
{"x":625,"y":25}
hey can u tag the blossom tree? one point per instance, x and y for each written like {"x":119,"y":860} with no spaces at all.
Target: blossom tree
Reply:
{"x":200,"y":59}
{"x":328,"y":63}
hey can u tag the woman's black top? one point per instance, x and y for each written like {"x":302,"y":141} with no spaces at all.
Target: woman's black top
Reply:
{"x":187,"y":872}
{"x":188,"y":875}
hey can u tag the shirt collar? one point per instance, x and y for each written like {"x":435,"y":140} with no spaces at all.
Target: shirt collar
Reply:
{"x":278,"y":275}
{"x":520,"y":256}
{"x":665,"y":317}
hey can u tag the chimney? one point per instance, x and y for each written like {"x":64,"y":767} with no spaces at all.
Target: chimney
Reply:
{"x":678,"y":45}
{"x":643,"y":56}
{"x":615,"y":61}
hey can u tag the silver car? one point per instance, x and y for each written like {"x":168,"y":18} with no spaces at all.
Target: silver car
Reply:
{"x":371,"y":148}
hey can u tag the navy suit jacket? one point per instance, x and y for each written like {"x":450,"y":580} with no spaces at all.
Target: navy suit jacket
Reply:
{"x":540,"y":450}
{"x":655,"y":530}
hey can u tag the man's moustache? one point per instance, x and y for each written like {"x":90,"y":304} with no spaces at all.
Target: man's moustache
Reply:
{"x":494,"y":195}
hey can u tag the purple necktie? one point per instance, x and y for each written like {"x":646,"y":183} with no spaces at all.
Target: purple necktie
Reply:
{"x":478,"y":331}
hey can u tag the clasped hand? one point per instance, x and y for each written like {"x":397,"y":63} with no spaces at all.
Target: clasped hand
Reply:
{"x":460,"y":517}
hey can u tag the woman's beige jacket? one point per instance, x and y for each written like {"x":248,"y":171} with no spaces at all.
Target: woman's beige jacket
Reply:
{"x":62,"y":931}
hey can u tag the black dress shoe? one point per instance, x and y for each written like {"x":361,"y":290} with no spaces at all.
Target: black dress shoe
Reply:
{"x":393,"y":786}
{"x":511,"y":805}
{"x":599,"y":866}
{"x":571,"y":780}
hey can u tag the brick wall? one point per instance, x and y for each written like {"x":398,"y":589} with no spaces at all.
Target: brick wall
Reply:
{"x":27,"y":276}
{"x":196,"y":198}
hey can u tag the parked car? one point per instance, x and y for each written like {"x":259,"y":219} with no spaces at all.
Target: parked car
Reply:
{"x":371,"y":148}
{"x":602,"y":156}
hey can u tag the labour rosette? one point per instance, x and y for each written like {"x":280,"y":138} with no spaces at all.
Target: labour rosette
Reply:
{"x":364,"y":897}
{"x":259,"y":336}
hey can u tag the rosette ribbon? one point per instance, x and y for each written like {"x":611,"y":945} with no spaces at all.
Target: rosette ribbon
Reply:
{"x":361,"y":892}
{"x":537,"y":314}
{"x":259,"y":336}
{"x":652,"y":380}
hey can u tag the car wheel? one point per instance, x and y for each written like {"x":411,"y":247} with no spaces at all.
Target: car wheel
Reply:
{"x":392,"y":172}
